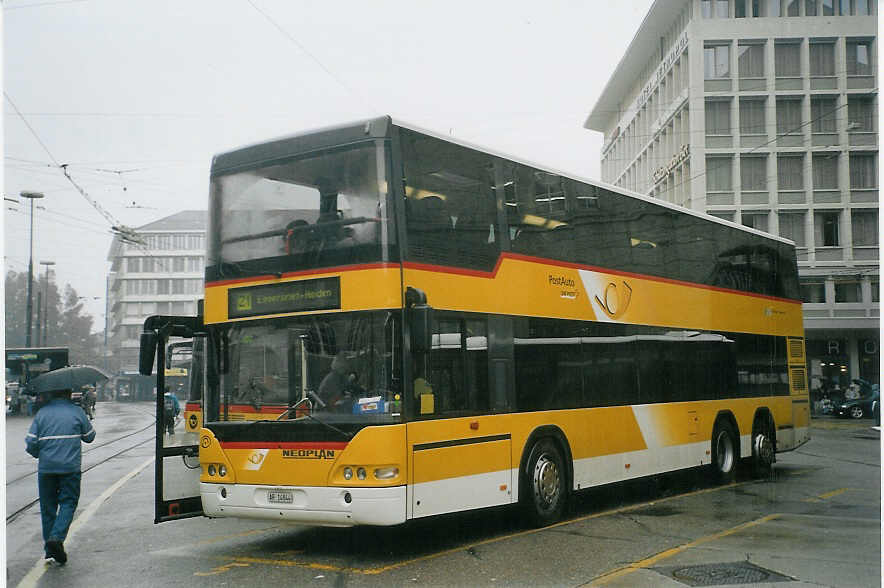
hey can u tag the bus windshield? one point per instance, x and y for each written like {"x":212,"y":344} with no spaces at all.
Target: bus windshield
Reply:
{"x":347,"y":365}
{"x":318,"y":210}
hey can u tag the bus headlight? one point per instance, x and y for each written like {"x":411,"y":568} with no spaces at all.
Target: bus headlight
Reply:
{"x":222,"y":470}
{"x":386,"y":473}
{"x":211,"y":469}
{"x":348,"y":473}
{"x":360,"y":473}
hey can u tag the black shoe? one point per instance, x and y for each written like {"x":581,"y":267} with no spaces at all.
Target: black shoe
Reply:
{"x":55,"y":549}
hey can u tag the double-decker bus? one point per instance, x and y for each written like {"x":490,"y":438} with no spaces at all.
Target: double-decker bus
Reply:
{"x":420,"y":326}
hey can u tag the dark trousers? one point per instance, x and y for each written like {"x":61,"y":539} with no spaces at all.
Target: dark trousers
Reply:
{"x":59,"y":495}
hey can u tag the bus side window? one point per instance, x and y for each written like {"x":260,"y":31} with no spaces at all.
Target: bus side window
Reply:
{"x":459,"y":366}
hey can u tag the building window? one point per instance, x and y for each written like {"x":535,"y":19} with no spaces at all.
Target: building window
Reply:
{"x":739,"y":8}
{"x":755,"y":220}
{"x":790,"y":172}
{"x":716,"y":62}
{"x":753,"y":174}
{"x":864,"y":226}
{"x":825,"y":228}
{"x":828,"y":7}
{"x":861,"y":8}
{"x":813,"y":292}
{"x":133,"y":265}
{"x":810,"y":8}
{"x":750,"y":60}
{"x":860,"y":114}
{"x":728,"y":216}
{"x":162,"y":286}
{"x":788,"y":116}
{"x":714,"y":8}
{"x":863,"y":170}
{"x":859,"y":58}
{"x":179,"y":264}
{"x":792,"y":227}
{"x":718,"y":117}
{"x":752,"y":117}
{"x":848,"y":291}
{"x":758,"y":8}
{"x":787,"y":60}
{"x":822,"y":114}
{"x":790,"y":7}
{"x":825,"y":171}
{"x":876,"y":290}
{"x":773,"y":8}
{"x":718,"y":174}
{"x":822,"y":59}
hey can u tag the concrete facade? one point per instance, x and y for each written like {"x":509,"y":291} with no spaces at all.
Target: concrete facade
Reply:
{"x":164,"y":275}
{"x":764,"y":112}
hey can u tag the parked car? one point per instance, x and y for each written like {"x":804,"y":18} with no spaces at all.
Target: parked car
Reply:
{"x":859,"y":407}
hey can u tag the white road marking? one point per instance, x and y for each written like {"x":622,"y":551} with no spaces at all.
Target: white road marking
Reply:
{"x":31,"y":579}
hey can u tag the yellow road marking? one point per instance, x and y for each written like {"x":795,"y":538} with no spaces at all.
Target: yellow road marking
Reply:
{"x":222,"y":569}
{"x":826,"y":495}
{"x":649,"y":561}
{"x":387,"y":568}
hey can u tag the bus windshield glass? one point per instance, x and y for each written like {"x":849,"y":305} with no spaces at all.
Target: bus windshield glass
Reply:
{"x":347,"y":365}
{"x":318,"y":210}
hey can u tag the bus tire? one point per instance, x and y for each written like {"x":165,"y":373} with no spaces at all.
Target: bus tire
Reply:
{"x":724,"y":452}
{"x":763,"y":450}
{"x":544,"y":479}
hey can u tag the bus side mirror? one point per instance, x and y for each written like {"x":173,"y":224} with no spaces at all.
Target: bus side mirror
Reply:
{"x":147,"y":353}
{"x":421,"y":320}
{"x":421,"y":328}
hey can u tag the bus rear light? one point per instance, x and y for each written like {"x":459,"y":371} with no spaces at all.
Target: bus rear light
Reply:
{"x":386,"y":473}
{"x":360,"y":473}
{"x":222,"y":471}
{"x":211,"y":469}
{"x":348,"y":473}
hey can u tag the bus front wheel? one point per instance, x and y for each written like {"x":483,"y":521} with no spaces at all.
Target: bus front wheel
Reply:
{"x":544,"y":481}
{"x":724,"y":452}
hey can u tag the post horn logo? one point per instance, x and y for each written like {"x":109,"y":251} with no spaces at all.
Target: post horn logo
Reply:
{"x":615,"y":299}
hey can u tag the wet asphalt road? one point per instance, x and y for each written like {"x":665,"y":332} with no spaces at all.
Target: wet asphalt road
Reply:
{"x":815,"y":522}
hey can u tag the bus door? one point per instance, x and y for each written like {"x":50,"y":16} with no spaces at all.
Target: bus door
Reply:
{"x":177,"y":469}
{"x":459,"y":459}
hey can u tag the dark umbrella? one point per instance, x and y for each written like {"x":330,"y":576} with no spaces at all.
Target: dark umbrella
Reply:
{"x":68,"y":378}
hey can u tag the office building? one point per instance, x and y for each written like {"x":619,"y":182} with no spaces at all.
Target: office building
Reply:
{"x":764,"y":113}
{"x":161,"y":275}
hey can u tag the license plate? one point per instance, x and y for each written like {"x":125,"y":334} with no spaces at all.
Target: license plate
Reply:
{"x":280,"y":497}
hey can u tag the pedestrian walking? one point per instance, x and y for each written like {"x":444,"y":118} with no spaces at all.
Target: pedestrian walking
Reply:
{"x":54,"y":439}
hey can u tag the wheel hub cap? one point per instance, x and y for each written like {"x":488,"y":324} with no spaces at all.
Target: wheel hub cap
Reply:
{"x":546,"y":480}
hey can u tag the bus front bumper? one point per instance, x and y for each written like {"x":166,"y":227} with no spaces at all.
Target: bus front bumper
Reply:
{"x":330,"y":507}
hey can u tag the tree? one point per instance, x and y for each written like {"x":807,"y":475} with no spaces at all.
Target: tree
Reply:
{"x":67,"y":324}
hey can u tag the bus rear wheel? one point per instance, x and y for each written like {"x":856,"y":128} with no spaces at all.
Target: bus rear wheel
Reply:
{"x":724,"y":452}
{"x":763,"y":450}
{"x":544,"y":481}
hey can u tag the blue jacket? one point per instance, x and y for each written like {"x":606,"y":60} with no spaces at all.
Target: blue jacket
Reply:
{"x":55,"y":435}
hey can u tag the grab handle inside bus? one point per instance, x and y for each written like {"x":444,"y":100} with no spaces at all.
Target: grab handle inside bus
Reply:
{"x":147,"y":352}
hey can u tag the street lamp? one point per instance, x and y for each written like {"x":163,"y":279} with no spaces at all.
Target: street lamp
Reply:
{"x":46,"y":304}
{"x":30,"y":308}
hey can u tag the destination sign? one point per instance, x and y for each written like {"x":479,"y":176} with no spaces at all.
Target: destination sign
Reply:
{"x":318,"y":294}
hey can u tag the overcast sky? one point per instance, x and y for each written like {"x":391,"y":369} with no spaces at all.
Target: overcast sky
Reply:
{"x":136,"y":96}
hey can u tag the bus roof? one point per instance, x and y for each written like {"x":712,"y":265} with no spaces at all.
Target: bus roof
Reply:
{"x":273,"y":150}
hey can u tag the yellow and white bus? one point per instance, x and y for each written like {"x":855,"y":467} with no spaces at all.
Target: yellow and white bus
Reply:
{"x":422,"y":327}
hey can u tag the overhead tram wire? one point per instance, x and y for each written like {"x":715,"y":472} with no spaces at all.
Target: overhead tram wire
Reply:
{"x":126,"y":234}
{"x":315,"y":59}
